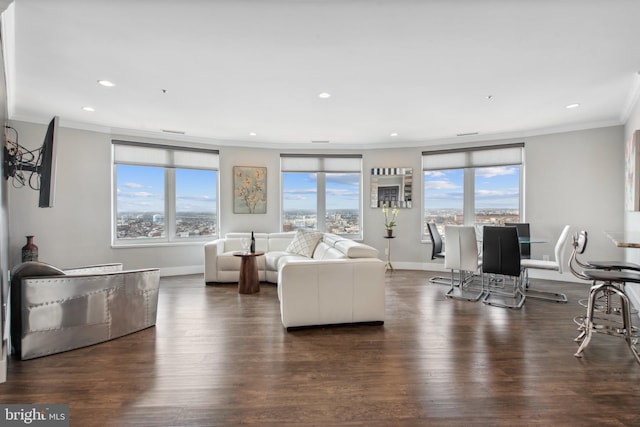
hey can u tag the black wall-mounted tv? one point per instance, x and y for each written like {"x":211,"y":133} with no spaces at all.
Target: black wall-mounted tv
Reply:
{"x":47,"y":165}
{"x":35,"y":168}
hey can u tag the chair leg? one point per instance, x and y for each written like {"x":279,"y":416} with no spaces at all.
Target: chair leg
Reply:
{"x":542,"y":295}
{"x":590,"y":326}
{"x":627,"y":324}
{"x":440,"y":280}
{"x":517,"y":295}
{"x":463,"y":291}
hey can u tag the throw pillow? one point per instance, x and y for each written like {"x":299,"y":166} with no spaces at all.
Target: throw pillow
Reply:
{"x":304,"y":243}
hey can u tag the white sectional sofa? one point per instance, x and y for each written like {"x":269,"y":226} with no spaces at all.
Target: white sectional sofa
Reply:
{"x":337,"y":281}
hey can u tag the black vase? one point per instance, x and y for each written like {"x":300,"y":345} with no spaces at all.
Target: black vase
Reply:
{"x":252,"y":249}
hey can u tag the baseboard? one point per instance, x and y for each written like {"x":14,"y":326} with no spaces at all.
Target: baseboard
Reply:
{"x":533,"y":274}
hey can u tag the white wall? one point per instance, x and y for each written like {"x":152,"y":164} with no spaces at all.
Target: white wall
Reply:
{"x":76,"y":231}
{"x":571,"y":178}
{"x":632,"y":219}
{"x":574,"y":178}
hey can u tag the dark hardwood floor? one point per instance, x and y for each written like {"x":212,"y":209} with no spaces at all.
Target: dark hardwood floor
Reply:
{"x":218,"y":358}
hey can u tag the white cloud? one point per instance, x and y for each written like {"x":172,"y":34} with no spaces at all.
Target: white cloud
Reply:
{"x":133,"y":185}
{"x":494,"y":171}
{"x":440,"y":185}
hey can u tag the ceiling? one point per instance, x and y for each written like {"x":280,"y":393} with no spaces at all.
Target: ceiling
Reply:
{"x":424,"y":70}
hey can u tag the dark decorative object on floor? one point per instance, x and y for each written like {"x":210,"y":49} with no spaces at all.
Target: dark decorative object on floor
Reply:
{"x":30,"y":250}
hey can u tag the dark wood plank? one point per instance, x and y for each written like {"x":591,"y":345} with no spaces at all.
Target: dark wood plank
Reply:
{"x":218,"y":358}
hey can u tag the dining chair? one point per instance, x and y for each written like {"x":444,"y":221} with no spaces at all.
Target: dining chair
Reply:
{"x":550,"y":265}
{"x":462,"y":256}
{"x":436,"y":241}
{"x":603,"y":315}
{"x":524,"y":232}
{"x":437,"y":252}
{"x":501,"y":260}
{"x":479,"y":226}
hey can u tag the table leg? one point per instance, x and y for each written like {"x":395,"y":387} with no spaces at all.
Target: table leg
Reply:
{"x":388,"y":266}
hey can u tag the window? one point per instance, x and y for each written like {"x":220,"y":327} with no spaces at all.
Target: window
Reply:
{"x":474,"y":185}
{"x":443,"y":198}
{"x":322,"y":193}
{"x":163,"y":194}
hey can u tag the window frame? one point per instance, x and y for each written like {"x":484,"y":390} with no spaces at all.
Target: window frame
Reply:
{"x":469,"y":159}
{"x":173,"y":162}
{"x":321,"y":165}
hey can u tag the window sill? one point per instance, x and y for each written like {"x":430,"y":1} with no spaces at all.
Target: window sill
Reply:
{"x":138,"y":245}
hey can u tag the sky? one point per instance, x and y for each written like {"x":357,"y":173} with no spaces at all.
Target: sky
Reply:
{"x":495,"y":187}
{"x":141,"y":189}
{"x":300,"y":190}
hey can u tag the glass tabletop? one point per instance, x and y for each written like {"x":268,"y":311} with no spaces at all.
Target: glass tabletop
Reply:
{"x":530,"y":240}
{"x":624,"y":239}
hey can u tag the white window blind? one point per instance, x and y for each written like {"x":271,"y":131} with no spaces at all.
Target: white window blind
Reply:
{"x":320,"y":163}
{"x":135,"y":153}
{"x":496,"y":155}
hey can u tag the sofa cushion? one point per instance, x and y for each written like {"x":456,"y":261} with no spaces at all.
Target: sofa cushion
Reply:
{"x":280,"y":241}
{"x":356,"y":250}
{"x":331,"y":239}
{"x":272,"y":258}
{"x":304,"y":242}
{"x":228,"y":262}
{"x":324,"y":251}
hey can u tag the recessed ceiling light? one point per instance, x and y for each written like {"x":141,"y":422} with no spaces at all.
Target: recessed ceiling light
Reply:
{"x":570,"y":106}
{"x":324,"y":95}
{"x":489,"y":97}
{"x":394,"y":134}
{"x":106,"y":83}
{"x":252,"y":134}
{"x":90,"y":109}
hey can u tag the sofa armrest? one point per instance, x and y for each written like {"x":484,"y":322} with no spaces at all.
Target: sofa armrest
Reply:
{"x":321,"y":292}
{"x":211,"y":251}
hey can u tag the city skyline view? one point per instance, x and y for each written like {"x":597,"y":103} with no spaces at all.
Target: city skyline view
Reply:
{"x":141,"y":199}
{"x":495,"y":187}
{"x":300,"y":190}
{"x":142,"y":189}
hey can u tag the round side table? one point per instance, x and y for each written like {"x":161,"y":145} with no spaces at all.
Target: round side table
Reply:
{"x":248,"y":283}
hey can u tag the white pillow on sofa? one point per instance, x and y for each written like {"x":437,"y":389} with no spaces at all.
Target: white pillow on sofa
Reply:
{"x":304,"y":243}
